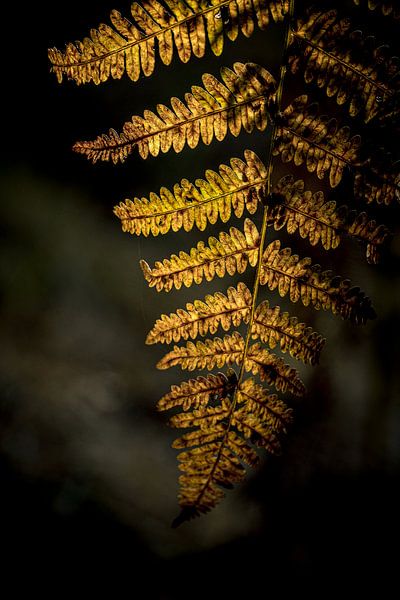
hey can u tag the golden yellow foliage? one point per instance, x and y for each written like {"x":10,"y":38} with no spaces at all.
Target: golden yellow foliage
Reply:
{"x":230,"y":253}
{"x":320,"y":289}
{"x":346,"y":64}
{"x":204,"y":316}
{"x":242,"y":100}
{"x":296,"y":209}
{"x":305,"y":137}
{"x":224,"y":437}
{"x":130,"y":47}
{"x":277,"y":328}
{"x":232,"y":190}
{"x":218,"y":352}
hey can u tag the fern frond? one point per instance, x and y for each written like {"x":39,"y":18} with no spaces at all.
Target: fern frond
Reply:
{"x":388,"y":9}
{"x":241,"y":101}
{"x":296,"y":209}
{"x":214,"y":452}
{"x":305,"y":137}
{"x":233,"y":189}
{"x":218,"y":352}
{"x":204,"y":316}
{"x":230,"y":253}
{"x":378,"y":181}
{"x":306,"y":282}
{"x":350,"y":67}
{"x":130,"y":47}
{"x":196,"y":393}
{"x":259,"y":402}
{"x":277,"y":328}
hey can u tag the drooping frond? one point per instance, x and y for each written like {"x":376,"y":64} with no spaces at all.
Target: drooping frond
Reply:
{"x":223,"y":439}
{"x":230,"y":253}
{"x":277,"y":328}
{"x":196,"y":393}
{"x":386,"y":8}
{"x":241,"y":101}
{"x":349,"y":66}
{"x":314,"y":287}
{"x":204,"y":316}
{"x":130,"y":47}
{"x":218,"y":352}
{"x":232,"y":190}
{"x":305,"y":137}
{"x":296,"y":209}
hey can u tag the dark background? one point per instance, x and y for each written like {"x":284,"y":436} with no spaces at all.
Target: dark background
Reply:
{"x":88,"y":478}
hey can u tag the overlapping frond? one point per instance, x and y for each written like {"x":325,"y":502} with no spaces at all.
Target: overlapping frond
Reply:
{"x":230,"y":253}
{"x":349,"y":66}
{"x":233,"y":189}
{"x":388,"y":9}
{"x":277,"y":328}
{"x":296,"y":209}
{"x":229,"y":350}
{"x":320,"y":289}
{"x":270,"y":325}
{"x":159,"y":29}
{"x":204,"y":316}
{"x":224,"y":439}
{"x":303,"y":136}
{"x":242,"y":100}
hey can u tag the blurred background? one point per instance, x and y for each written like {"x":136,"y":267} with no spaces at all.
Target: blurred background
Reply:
{"x":88,"y":477}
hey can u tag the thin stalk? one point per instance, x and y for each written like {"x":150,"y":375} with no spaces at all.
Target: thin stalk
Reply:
{"x":256,"y":284}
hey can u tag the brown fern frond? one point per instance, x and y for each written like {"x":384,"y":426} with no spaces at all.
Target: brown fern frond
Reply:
{"x":218,"y":352}
{"x":305,"y":137}
{"x":230,"y":253}
{"x":314,"y":287}
{"x":277,"y":328}
{"x":259,"y":402}
{"x":241,"y":101}
{"x":388,"y":9}
{"x":213,"y":453}
{"x":233,"y":189}
{"x":130,"y":47}
{"x":204,"y":316}
{"x":196,"y":393}
{"x":378,"y":181}
{"x":296,"y":209}
{"x":349,"y":66}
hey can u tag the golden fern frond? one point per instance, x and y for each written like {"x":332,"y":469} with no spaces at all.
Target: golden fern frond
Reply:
{"x":386,"y":8}
{"x":130,"y":47}
{"x":277,"y":328}
{"x":350,"y":67}
{"x":204,"y":316}
{"x":259,"y":402}
{"x":233,"y":189}
{"x":269,"y":324}
{"x":214,"y":452}
{"x":196,"y":393}
{"x":378,"y":181}
{"x":218,"y":352}
{"x":305,"y":137}
{"x":230,"y":253}
{"x":241,"y":101}
{"x":296,"y":209}
{"x":306,"y":282}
